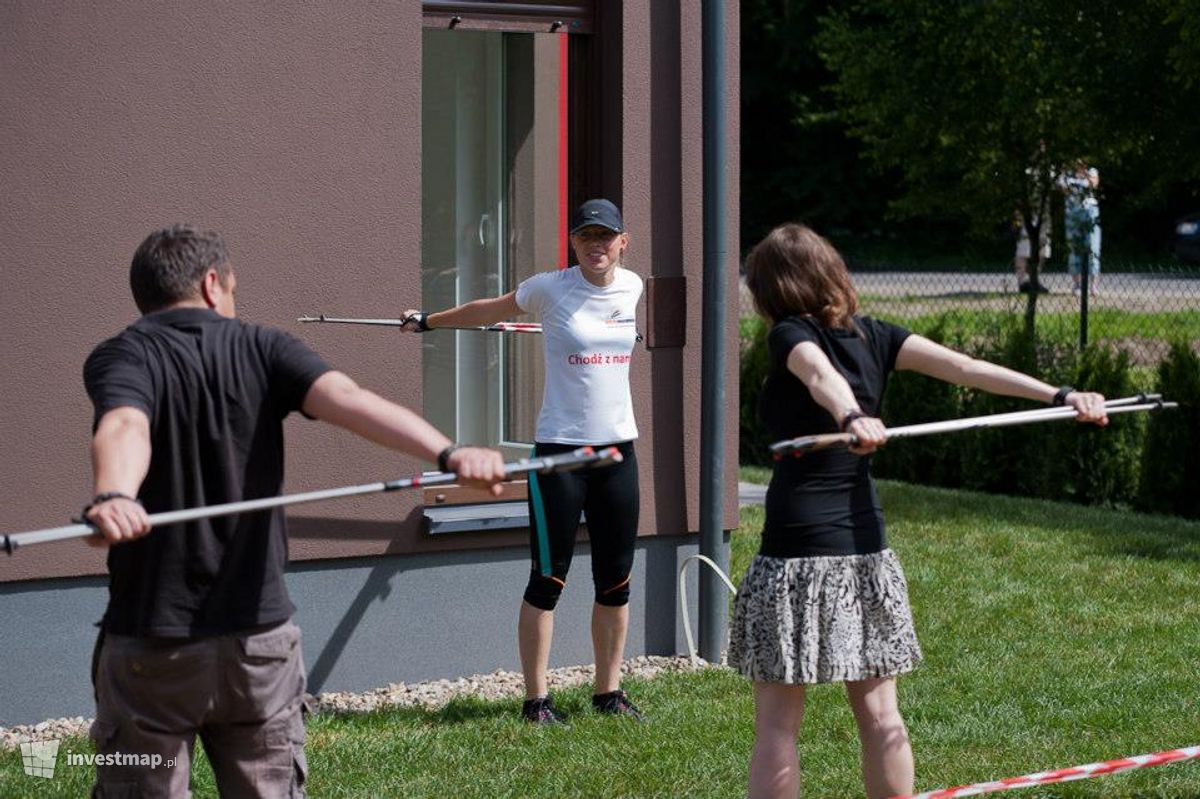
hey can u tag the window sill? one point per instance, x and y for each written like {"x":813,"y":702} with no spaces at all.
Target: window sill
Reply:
{"x":445,"y":519}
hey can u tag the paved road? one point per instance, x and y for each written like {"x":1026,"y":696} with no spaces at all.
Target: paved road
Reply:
{"x":751,"y":494}
{"x":950,"y":283}
{"x":907,"y":294}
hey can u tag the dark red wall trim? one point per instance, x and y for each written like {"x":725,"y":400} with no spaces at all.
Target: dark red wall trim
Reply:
{"x":564,"y":87}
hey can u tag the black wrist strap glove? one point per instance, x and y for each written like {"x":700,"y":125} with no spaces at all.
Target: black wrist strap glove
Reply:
{"x":103,"y":497}
{"x":849,"y":418}
{"x":444,"y":457}
{"x":1060,"y":396}
{"x":421,"y":319}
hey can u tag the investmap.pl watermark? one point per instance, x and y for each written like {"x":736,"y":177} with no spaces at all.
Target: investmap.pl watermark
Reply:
{"x":40,"y":758}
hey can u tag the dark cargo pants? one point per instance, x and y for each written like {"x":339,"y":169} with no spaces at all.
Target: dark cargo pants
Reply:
{"x":242,"y":694}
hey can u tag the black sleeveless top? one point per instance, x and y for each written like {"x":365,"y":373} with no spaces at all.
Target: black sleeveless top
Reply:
{"x":824,"y":503}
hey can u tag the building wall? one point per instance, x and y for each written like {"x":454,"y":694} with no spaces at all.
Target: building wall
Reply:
{"x":298,"y":136}
{"x":293,"y":134}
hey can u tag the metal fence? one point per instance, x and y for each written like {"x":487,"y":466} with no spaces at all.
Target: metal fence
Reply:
{"x":1141,"y":312}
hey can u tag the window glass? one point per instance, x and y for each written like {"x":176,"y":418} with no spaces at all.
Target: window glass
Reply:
{"x":490,"y":218}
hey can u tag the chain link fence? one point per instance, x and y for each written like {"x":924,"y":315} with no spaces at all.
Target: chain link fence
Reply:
{"x":1142,"y":312}
{"x":1146,"y":313}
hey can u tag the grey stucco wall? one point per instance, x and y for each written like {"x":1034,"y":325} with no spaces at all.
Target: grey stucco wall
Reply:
{"x":367,"y":622}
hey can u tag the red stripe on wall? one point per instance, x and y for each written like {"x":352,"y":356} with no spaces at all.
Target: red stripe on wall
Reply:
{"x":563,"y":121}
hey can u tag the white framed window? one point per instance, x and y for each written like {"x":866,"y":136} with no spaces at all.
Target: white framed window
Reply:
{"x":493,"y":137}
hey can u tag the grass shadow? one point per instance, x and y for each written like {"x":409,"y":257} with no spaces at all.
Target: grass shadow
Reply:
{"x":571,"y":702}
{"x":457,"y":711}
{"x":468,"y":709}
{"x":1150,"y":537}
{"x":1103,"y":531}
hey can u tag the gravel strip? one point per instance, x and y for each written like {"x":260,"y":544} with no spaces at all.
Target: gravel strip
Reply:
{"x":10,"y":737}
{"x":497,"y":685}
{"x":428,"y":695}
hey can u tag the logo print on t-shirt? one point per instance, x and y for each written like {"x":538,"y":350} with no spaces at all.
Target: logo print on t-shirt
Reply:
{"x":615,"y":319}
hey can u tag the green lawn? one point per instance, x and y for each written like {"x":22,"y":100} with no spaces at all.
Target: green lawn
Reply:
{"x":1054,"y":635}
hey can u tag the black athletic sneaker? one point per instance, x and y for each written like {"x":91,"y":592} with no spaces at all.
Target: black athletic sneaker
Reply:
{"x":541,"y":711}
{"x":616,"y":703}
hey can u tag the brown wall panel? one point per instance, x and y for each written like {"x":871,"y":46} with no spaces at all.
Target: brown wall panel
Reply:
{"x":294,"y":134}
{"x":297,"y":135}
{"x":733,"y":102}
{"x":691,"y":155}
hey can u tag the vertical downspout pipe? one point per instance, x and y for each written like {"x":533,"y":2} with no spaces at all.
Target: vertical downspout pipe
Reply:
{"x":713,"y":598}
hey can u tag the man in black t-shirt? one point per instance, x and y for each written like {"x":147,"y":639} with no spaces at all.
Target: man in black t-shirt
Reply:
{"x":197,"y":638}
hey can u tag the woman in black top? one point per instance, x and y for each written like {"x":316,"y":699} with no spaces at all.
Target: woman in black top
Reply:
{"x":825,"y":599}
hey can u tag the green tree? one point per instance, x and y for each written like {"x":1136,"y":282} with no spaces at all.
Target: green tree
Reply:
{"x":978,"y":104}
{"x":798,"y":161}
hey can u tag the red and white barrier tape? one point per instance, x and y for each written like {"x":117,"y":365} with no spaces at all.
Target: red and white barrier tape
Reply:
{"x":1064,"y":774}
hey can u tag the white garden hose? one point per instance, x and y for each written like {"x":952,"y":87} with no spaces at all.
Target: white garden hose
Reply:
{"x":683,"y":608}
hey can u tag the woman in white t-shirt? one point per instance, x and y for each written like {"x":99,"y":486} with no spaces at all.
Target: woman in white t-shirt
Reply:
{"x":588,"y":326}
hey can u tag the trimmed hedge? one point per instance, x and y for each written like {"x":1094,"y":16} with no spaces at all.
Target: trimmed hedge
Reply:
{"x":752,"y":438}
{"x":1171,"y":454}
{"x":1149,"y":461}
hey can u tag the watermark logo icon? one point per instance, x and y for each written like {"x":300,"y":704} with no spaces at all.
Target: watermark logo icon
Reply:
{"x":40,"y":757}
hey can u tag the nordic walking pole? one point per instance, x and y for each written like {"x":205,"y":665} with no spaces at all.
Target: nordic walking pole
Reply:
{"x":798,"y":446}
{"x":499,"y":327}
{"x":576,"y":459}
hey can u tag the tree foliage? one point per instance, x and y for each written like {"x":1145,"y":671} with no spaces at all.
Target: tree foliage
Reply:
{"x":932,"y":113}
{"x":976,"y":103}
{"x":798,"y":161}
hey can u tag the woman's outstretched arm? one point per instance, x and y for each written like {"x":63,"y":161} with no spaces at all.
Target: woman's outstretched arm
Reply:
{"x":919,"y":354}
{"x":476,"y":313}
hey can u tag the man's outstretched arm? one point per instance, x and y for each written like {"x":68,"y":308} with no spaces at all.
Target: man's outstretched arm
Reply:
{"x":337,"y":399}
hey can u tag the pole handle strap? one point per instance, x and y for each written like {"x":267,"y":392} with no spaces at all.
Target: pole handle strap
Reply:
{"x":100,"y":498}
{"x":421,"y":318}
{"x":799,"y":446}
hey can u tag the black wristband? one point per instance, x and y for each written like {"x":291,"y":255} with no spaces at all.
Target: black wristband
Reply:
{"x":1060,"y":396}
{"x":422,"y":320}
{"x":104,"y":497}
{"x":849,"y":418}
{"x":444,"y":457}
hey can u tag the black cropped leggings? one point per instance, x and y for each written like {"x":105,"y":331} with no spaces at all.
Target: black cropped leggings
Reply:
{"x":609,"y":497}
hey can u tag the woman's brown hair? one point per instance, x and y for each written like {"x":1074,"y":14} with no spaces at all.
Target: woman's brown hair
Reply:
{"x":794,"y":271}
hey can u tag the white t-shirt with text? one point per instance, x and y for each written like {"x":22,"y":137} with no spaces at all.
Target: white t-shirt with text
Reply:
{"x":588,"y":333}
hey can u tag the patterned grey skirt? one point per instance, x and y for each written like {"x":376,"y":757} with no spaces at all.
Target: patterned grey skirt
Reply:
{"x":823,"y":619}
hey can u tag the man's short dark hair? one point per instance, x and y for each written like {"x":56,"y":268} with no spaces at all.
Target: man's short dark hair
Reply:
{"x":171,"y":263}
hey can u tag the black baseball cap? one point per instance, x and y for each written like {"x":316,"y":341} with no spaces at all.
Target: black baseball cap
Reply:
{"x":601,"y":213}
